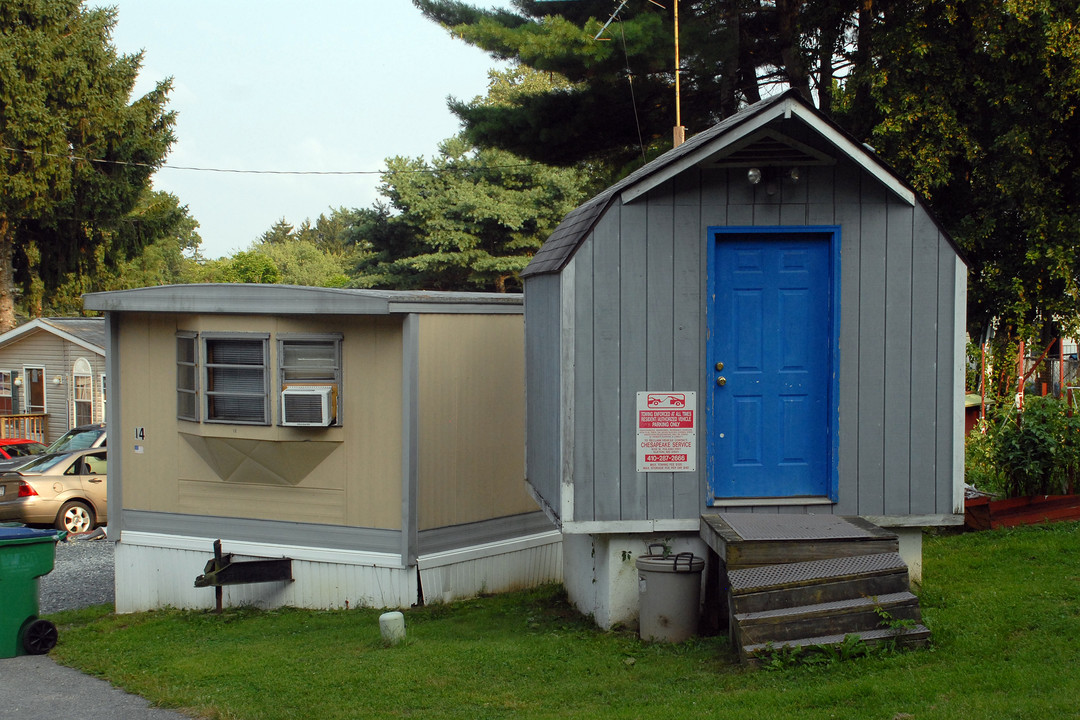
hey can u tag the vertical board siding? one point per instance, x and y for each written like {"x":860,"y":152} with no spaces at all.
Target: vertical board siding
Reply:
{"x":947,"y":393}
{"x":924,"y":365}
{"x":898,"y":372}
{"x":871,"y":379}
{"x":542,"y":351}
{"x":688,"y":325}
{"x":849,"y":217}
{"x":659,"y":326}
{"x":584,"y":422}
{"x":607,"y":356}
{"x":630,"y":374}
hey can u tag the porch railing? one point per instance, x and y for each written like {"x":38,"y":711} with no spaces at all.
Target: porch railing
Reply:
{"x":24,"y":426}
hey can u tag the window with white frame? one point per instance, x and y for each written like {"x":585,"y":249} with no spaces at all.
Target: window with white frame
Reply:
{"x":310,"y":361}
{"x":187,"y":377}
{"x":237,"y":386}
{"x":83,"y":395}
{"x":6,"y":400}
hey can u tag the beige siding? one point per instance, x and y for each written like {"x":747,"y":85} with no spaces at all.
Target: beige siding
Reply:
{"x":349,"y":475}
{"x":471,"y":419}
{"x":57,"y":356}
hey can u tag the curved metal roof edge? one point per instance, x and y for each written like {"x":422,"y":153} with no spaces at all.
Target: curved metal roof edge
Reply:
{"x":257,"y":299}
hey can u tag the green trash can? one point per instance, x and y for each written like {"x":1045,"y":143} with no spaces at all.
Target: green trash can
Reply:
{"x":25,"y":555}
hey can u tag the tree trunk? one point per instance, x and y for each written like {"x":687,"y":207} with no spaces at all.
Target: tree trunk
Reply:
{"x":7,"y":276}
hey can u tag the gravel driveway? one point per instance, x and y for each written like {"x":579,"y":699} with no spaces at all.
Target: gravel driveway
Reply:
{"x":82,"y":576}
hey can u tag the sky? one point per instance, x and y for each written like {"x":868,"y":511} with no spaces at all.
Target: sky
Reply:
{"x":324,"y":85}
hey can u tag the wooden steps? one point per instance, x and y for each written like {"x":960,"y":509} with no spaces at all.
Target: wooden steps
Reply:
{"x":804,"y":580}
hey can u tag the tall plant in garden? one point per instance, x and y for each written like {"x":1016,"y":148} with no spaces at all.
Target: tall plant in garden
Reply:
{"x":1037,"y":451}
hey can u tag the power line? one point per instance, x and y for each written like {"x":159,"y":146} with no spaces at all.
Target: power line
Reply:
{"x":166,"y":166}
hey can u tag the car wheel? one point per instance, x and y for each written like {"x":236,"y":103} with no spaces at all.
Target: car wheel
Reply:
{"x":39,"y":637}
{"x":75,"y":517}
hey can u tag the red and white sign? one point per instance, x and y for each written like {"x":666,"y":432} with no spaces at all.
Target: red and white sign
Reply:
{"x":666,"y":431}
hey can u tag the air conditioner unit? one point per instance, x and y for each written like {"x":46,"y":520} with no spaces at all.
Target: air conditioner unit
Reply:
{"x":308,"y":405}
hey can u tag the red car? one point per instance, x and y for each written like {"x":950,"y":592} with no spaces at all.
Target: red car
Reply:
{"x":11,"y":448}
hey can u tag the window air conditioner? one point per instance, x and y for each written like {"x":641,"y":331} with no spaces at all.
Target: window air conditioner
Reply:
{"x":308,"y":405}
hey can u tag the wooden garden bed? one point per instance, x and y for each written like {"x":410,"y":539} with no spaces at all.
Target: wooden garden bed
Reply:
{"x":983,"y":513}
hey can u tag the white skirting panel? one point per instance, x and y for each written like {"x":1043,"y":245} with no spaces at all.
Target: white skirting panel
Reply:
{"x":150,"y":577}
{"x":492,"y":567}
{"x":157,"y":570}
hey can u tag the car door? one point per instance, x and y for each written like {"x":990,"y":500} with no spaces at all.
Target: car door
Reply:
{"x":94,"y":474}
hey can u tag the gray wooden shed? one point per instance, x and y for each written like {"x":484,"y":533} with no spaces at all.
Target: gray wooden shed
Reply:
{"x":802,"y":307}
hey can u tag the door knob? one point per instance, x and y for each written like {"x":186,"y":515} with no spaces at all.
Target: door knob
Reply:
{"x":721,"y":381}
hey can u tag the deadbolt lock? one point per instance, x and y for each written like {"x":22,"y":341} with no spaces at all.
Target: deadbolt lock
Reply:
{"x":719,"y":366}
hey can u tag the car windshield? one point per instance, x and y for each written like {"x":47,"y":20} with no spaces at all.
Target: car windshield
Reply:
{"x":43,"y":463}
{"x":75,"y":439}
{"x":21,"y":449}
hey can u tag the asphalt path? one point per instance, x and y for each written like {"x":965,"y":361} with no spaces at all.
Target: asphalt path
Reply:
{"x":35,"y":687}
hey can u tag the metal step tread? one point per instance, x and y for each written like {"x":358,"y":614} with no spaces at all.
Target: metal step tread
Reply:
{"x":766,"y":577}
{"x":829,"y":608}
{"x":913,"y":634}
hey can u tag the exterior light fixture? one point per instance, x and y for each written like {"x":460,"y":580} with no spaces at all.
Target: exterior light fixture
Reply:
{"x":57,"y":379}
{"x":794,"y":174}
{"x":753,"y":176}
{"x":18,"y":382}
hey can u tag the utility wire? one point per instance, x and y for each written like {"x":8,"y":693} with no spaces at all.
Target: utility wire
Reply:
{"x":167,"y":166}
{"x":633,"y":99}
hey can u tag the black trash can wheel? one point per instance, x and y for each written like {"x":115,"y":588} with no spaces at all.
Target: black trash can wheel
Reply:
{"x":39,"y":637}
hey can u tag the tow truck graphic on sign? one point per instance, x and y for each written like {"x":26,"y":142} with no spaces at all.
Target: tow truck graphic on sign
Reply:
{"x":666,"y":432}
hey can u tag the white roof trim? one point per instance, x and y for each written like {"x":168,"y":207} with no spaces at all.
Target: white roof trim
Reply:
{"x":785,"y":108}
{"x":39,"y":324}
{"x":706,"y":151}
{"x":857,"y":154}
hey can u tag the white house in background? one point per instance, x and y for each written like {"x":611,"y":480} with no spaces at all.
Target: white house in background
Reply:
{"x":52,"y":377}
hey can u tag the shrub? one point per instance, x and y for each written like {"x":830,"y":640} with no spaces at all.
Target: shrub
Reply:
{"x":1038,"y":451}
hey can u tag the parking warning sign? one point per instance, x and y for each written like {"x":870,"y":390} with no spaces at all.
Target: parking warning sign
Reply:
{"x":666,"y":431}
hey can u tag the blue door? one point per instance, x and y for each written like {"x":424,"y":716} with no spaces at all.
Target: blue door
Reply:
{"x":772,"y":337}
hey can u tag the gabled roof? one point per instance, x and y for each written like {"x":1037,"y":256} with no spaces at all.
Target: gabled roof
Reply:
{"x":255,"y":299}
{"x":701,"y":149}
{"x":88,"y":333}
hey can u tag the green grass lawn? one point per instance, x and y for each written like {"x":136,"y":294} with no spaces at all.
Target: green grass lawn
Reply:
{"x":1004,"y":608}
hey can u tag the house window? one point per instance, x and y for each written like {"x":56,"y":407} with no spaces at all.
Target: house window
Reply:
{"x":6,"y":404}
{"x":187,"y":378}
{"x":83,"y":392}
{"x":236,"y":379}
{"x":310,"y":360}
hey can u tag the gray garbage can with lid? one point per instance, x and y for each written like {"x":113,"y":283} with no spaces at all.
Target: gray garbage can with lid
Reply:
{"x":669,"y":592}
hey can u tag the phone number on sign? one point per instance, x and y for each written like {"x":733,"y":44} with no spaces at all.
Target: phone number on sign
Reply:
{"x":665,"y":458}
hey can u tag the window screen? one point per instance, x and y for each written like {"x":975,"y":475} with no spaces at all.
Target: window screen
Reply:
{"x":236,"y":383}
{"x":187,"y":378}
